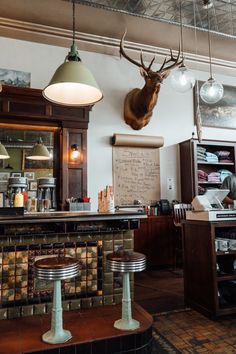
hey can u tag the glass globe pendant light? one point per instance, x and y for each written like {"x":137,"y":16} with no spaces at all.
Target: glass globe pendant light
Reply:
{"x":182,"y":79}
{"x":72,"y":83}
{"x":211,"y":91}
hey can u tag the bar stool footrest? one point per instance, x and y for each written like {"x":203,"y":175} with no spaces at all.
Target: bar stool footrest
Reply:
{"x":55,"y":338}
{"x":127,"y":325}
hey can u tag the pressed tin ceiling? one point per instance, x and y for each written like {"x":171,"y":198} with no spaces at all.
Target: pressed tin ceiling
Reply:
{"x":222,"y":13}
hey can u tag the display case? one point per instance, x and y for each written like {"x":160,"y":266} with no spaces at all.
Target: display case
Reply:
{"x":204,"y":165}
{"x":210,"y":266}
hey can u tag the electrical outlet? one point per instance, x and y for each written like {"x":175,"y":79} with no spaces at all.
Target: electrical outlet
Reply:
{"x":170,"y":183}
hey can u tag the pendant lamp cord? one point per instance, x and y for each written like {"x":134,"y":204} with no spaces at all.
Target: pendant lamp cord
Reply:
{"x":198,"y":118}
{"x":73,"y":55}
{"x":209,"y":42}
{"x":181,"y":29}
{"x":73,"y":9}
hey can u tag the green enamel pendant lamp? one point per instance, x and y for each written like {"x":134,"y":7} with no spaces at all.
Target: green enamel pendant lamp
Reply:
{"x":3,"y":152}
{"x":39,"y":152}
{"x":73,"y":84}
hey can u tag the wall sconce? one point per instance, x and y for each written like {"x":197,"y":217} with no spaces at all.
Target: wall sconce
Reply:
{"x":3,"y":152}
{"x":74,"y":153}
{"x":39,"y":152}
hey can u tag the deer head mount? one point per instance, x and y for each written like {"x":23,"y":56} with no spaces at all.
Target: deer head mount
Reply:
{"x":139,"y":103}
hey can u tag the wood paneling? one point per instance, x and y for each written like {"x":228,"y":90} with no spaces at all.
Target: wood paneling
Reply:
{"x":24,"y":107}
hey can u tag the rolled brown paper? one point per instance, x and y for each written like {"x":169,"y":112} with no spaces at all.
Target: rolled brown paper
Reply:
{"x":137,"y":140}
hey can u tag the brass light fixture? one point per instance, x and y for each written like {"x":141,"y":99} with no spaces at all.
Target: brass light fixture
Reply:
{"x":39,"y":152}
{"x":3,"y":152}
{"x":75,"y":153}
{"x":73,"y":84}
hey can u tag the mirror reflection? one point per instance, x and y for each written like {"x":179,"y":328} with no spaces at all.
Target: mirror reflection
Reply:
{"x":19,"y":144}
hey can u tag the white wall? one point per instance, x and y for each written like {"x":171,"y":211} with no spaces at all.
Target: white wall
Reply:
{"x":172,"y":117}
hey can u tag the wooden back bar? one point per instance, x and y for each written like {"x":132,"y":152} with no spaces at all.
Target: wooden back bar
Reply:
{"x":26,"y":108}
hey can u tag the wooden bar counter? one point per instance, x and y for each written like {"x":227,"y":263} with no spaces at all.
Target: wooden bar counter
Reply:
{"x":26,"y":302}
{"x":87,"y":236}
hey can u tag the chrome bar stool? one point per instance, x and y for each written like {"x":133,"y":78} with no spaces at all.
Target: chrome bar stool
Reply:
{"x":56,"y":269}
{"x":126,"y":262}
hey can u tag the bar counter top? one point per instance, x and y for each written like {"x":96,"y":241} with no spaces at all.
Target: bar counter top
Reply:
{"x":62,"y":216}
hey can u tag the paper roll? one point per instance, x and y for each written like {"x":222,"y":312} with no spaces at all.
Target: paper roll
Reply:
{"x":137,"y":140}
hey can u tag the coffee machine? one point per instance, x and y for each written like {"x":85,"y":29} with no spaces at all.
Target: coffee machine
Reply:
{"x":16,"y":185}
{"x":46,"y":193}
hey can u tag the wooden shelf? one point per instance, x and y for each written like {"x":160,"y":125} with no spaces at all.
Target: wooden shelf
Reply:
{"x":215,"y":163}
{"x":206,"y":288}
{"x":209,"y":182}
{"x":226,"y":277}
{"x":189,"y":165}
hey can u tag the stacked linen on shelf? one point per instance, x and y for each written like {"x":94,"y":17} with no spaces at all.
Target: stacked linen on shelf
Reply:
{"x":202,"y":176}
{"x":201,"y":153}
{"x":210,"y":157}
{"x":224,"y":156}
{"x":214,"y":177}
{"x":224,"y":173}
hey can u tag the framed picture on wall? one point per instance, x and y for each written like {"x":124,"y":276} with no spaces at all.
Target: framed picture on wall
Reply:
{"x":218,"y":115}
{"x":16,"y":174}
{"x":33,"y":186}
{"x":4,"y":176}
{"x":29,"y":175}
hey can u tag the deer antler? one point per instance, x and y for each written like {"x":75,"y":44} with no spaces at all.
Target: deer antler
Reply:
{"x":162,"y":69}
{"x":176,"y":61}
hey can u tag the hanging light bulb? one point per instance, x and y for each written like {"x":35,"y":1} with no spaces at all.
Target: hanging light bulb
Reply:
{"x":182,"y":79}
{"x":72,"y":83}
{"x":211,"y":91}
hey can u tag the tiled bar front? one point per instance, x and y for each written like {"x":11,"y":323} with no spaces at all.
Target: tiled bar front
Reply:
{"x":21,"y":243}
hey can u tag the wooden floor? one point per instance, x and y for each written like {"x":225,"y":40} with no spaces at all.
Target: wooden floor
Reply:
{"x":159,"y":290}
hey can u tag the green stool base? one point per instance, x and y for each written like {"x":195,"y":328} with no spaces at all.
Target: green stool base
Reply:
{"x":126,"y":325}
{"x":56,"y":338}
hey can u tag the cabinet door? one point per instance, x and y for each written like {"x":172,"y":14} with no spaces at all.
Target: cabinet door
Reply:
{"x":155,"y":240}
{"x":141,"y":238}
{"x":161,"y":241}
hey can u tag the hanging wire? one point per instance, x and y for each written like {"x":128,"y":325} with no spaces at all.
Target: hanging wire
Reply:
{"x":73,"y":55}
{"x":198,"y":118}
{"x":181,"y":29}
{"x":209,"y":42}
{"x":73,"y":10}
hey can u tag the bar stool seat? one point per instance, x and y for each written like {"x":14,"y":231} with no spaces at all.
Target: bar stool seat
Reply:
{"x":56,"y":269}
{"x":126,"y":262}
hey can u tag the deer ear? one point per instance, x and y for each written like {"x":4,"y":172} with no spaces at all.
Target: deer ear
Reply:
{"x":143,"y":72}
{"x":165,"y":74}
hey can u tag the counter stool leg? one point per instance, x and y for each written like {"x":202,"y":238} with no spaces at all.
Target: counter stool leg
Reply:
{"x":56,"y":334}
{"x":126,"y":322}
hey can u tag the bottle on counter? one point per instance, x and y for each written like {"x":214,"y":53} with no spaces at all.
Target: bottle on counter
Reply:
{"x":18,"y":200}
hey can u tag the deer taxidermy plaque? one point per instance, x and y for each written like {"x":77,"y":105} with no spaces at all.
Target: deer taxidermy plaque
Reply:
{"x":139,"y":103}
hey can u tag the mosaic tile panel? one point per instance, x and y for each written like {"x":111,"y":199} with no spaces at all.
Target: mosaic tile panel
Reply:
{"x":22,"y":295}
{"x":19,"y":286}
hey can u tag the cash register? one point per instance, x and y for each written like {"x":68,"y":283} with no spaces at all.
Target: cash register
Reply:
{"x":209,"y":207}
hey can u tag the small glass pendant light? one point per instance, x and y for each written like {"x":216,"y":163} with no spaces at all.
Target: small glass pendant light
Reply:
{"x":211,"y":91}
{"x":182,"y":79}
